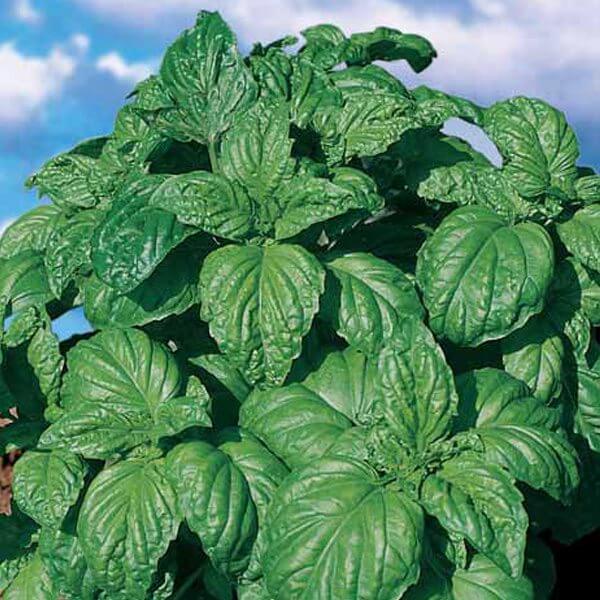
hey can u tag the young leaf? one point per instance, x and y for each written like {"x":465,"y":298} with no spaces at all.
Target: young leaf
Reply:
{"x":207,"y":77}
{"x":481,"y":279}
{"x":47,"y":484}
{"x":479,"y":502}
{"x":207,"y":201}
{"x":418,"y":398}
{"x":367,"y":299}
{"x":259,"y":303}
{"x":538,"y":146}
{"x":215,"y":499}
{"x":334,"y":513}
{"x":128,"y":518}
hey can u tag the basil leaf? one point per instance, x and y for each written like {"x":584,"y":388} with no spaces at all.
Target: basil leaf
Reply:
{"x":479,"y":502}
{"x":203,"y":72}
{"x":128,"y":518}
{"x":580,"y":235}
{"x":482,"y":279}
{"x":367,"y":298}
{"x":538,"y":146}
{"x":47,"y":484}
{"x":32,"y":583}
{"x":418,"y":398}
{"x":334,"y":510}
{"x":215,"y":499}
{"x":259,"y":303}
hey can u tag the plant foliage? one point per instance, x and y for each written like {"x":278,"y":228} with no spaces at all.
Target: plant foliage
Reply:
{"x":337,"y":353}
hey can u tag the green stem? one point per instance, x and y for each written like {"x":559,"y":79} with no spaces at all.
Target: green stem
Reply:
{"x":189,"y":582}
{"x":212,"y":154}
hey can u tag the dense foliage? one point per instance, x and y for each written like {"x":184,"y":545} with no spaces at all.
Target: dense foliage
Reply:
{"x":338,"y":354}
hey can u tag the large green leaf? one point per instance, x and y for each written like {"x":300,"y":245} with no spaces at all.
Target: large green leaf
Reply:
{"x":30,"y":232}
{"x":215,"y":499}
{"x":481,"y":580}
{"x":516,"y":431}
{"x":116,"y":383}
{"x":47,"y":484}
{"x":23,"y":281}
{"x":294,"y":422}
{"x":367,"y":299}
{"x":171,"y":289}
{"x":207,"y":77}
{"x":308,"y":200}
{"x":581,"y":235}
{"x":481,"y":279}
{"x":207,"y":201}
{"x":538,"y":146}
{"x":32,"y":583}
{"x":302,"y":422}
{"x":335,"y":512}
{"x":135,"y":236}
{"x":478,"y":501}
{"x":255,"y":153}
{"x":128,"y":519}
{"x":418,"y":398}
{"x":259,"y":303}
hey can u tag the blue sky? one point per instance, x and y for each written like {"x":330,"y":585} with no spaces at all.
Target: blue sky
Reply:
{"x":67,"y":65}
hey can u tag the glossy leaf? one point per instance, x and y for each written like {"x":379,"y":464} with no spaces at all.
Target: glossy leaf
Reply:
{"x":580,"y":234}
{"x":259,"y":304}
{"x":334,"y":513}
{"x":482,"y":279}
{"x":128,"y":518}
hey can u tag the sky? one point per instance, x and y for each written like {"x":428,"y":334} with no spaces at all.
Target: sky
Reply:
{"x":66,"y":66}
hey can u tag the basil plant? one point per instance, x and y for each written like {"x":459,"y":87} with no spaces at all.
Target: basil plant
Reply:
{"x":337,"y":353}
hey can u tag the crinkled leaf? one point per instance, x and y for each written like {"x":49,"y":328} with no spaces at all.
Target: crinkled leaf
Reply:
{"x":23,"y":281}
{"x":30,"y":232}
{"x":47,"y":484}
{"x":367,"y":298}
{"x":32,"y":583}
{"x":205,"y":74}
{"x":259,"y":303}
{"x":116,"y":383}
{"x":587,"y":189}
{"x":69,"y":249}
{"x":538,"y":146}
{"x":418,"y":398}
{"x":308,"y":200}
{"x":170,"y":290}
{"x":215,"y":499}
{"x":135,"y":236}
{"x":335,"y":513}
{"x":481,"y":279}
{"x":479,"y":502}
{"x":128,"y":518}
{"x":207,"y":201}
{"x":385,"y":43}
{"x":581,"y":235}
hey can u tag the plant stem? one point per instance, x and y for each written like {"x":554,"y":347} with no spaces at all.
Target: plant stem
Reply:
{"x":212,"y":154}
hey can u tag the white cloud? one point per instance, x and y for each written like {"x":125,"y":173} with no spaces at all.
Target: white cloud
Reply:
{"x":506,"y":47}
{"x":28,"y":82}
{"x":24,"y":11}
{"x":120,"y":69}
